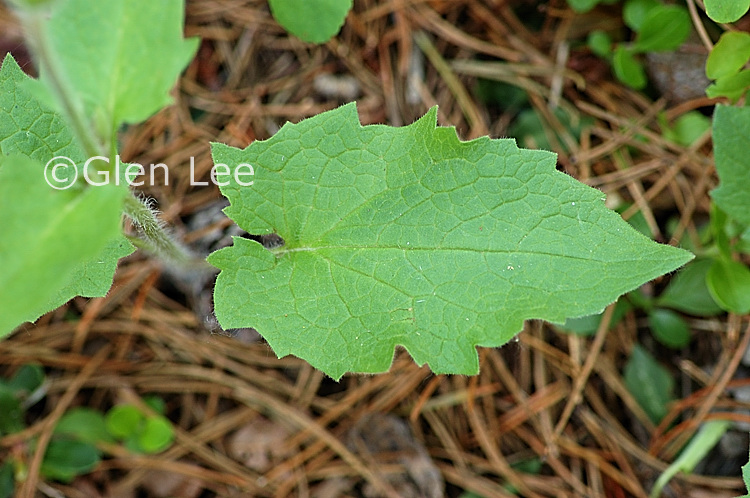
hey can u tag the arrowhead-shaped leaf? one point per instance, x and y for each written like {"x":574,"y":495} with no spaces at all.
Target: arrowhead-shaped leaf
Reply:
{"x":408,"y":236}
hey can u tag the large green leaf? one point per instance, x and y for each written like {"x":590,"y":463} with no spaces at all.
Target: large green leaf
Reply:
{"x":315,"y":21}
{"x":26,"y":126}
{"x":46,"y":234}
{"x":120,"y":57}
{"x":731,"y":137}
{"x":29,"y":129}
{"x":407,"y":236}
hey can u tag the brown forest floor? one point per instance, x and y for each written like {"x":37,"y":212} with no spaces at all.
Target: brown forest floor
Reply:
{"x":251,"y":425}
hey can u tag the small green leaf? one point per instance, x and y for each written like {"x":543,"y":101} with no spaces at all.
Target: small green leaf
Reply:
{"x":27,"y":379}
{"x":124,"y":420}
{"x":709,"y":434}
{"x":687,"y":291}
{"x":688,"y":128}
{"x":408,"y":236}
{"x":507,"y":97}
{"x":531,"y":131}
{"x":84,"y":424}
{"x":634,"y":12}
{"x":66,"y":459}
{"x":627,"y":69}
{"x":120,"y":57}
{"x":665,"y":27}
{"x":729,"y":284}
{"x":746,"y":478}
{"x":729,"y":55}
{"x":582,"y":6}
{"x":637,"y":220}
{"x":315,"y":21}
{"x":156,"y":403}
{"x":719,"y":223}
{"x":532,"y":466}
{"x":156,"y":435}
{"x":7,"y":481}
{"x":726,"y":11}
{"x":734,"y":86}
{"x":669,"y":328}
{"x":731,"y":137}
{"x":649,"y":383}
{"x":600,"y":43}
{"x":11,"y":412}
{"x":743,"y":244}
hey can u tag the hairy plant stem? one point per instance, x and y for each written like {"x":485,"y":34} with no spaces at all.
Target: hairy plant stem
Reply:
{"x":153,"y":237}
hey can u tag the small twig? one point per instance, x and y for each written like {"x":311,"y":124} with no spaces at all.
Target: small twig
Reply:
{"x":699,"y":27}
{"x":457,"y":88}
{"x":580,"y":382}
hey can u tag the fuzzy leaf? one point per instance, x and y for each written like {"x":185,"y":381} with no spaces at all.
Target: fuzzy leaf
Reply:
{"x":407,"y":236}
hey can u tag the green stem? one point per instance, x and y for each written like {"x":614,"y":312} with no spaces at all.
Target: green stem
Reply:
{"x":33,"y":20}
{"x":153,"y":236}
